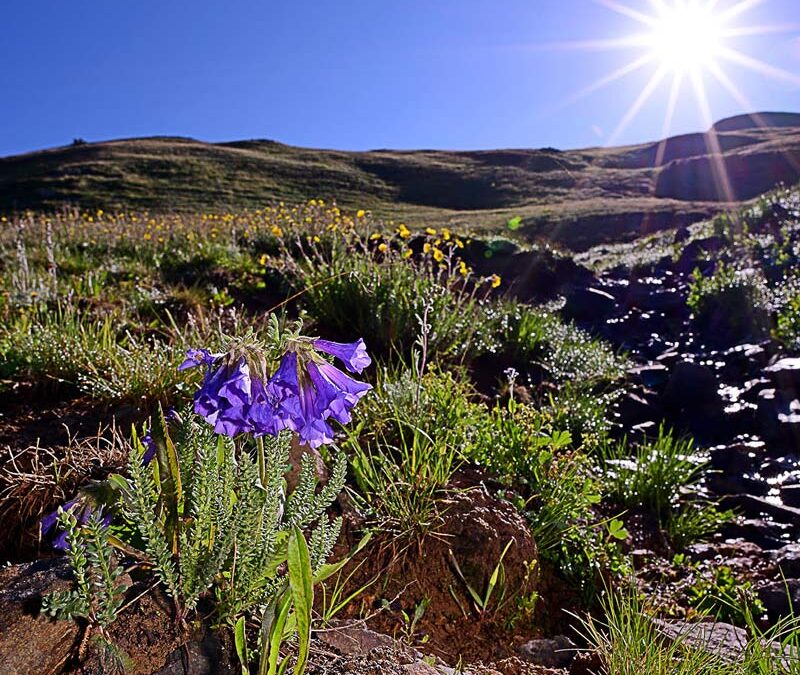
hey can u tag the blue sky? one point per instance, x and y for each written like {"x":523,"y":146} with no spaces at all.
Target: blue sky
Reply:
{"x":350,"y":74}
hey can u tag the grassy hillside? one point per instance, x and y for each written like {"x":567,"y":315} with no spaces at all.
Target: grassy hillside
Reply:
{"x":577,"y":197}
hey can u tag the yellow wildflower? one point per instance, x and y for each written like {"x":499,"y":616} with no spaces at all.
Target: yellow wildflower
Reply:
{"x":430,"y":231}
{"x":459,"y":243}
{"x":463,"y":270}
{"x":426,"y":248}
{"x":361,"y":213}
{"x":403,"y":231}
{"x":276,"y":231}
{"x":374,"y":236}
{"x":445,"y":234}
{"x":148,"y":236}
{"x":495,"y":280}
{"x":407,"y":253}
{"x":383,"y":248}
{"x":263,"y":259}
{"x":438,"y":255}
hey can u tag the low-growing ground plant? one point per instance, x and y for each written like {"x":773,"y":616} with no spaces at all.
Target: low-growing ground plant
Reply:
{"x":650,"y":474}
{"x":205,"y":500}
{"x":730,"y":304}
{"x":695,"y":521}
{"x":403,"y":484}
{"x":628,"y":642}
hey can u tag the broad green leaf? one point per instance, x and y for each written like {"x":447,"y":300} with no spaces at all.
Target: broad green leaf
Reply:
{"x":240,"y":639}
{"x":276,"y":629}
{"x":301,"y":583}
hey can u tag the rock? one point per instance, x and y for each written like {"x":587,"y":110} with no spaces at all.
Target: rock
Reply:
{"x":347,"y":638}
{"x":790,"y":495}
{"x":780,"y":598}
{"x":203,"y":654}
{"x":668,"y":301}
{"x":767,"y":534}
{"x":778,"y":416}
{"x":642,"y":557}
{"x":29,"y":641}
{"x":651,"y":375}
{"x":725,"y":550}
{"x":735,"y":459}
{"x":681,"y":235}
{"x":724,"y":483}
{"x":759,"y":507}
{"x":632,"y":409}
{"x":696,"y":254}
{"x":723,"y":640}
{"x":587,"y":663}
{"x":788,"y":560}
{"x":785,"y":373}
{"x":589,"y":305}
{"x":692,"y":401}
{"x":691,"y":385}
{"x":378,"y":653}
{"x":557,"y":652}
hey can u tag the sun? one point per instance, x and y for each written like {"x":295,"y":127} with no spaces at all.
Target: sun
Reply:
{"x":685,"y":43}
{"x":686,"y":37}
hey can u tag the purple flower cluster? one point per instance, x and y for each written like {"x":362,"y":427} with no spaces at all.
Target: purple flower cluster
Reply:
{"x":302,"y":395}
{"x":49,"y":524}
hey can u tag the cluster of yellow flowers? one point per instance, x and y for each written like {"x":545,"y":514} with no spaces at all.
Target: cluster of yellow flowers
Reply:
{"x":312,"y":222}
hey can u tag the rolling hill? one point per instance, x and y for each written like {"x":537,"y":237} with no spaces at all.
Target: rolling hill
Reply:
{"x":577,"y":197}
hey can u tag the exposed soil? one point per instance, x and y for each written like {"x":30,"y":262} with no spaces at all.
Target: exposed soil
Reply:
{"x":144,"y":635}
{"x":476,"y":527}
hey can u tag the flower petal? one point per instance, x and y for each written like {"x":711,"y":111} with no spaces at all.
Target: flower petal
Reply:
{"x":352,"y":354}
{"x":196,"y":357}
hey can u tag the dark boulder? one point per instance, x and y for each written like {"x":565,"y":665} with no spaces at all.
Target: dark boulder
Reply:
{"x":29,"y":641}
{"x":790,"y":495}
{"x":697,"y":253}
{"x":737,"y":458}
{"x":785,"y":374}
{"x":780,"y":598}
{"x":692,"y":402}
{"x":589,"y":305}
{"x":788,"y":560}
{"x":557,"y":652}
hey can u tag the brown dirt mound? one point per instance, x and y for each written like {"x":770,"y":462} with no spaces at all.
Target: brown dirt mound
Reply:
{"x":475,"y":527}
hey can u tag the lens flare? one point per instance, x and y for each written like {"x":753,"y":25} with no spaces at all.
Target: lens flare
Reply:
{"x":686,"y":37}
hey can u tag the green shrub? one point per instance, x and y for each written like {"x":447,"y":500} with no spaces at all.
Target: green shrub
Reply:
{"x":515,"y":442}
{"x":787,"y":328}
{"x":650,"y":474}
{"x":350,"y":290}
{"x":440,"y":403}
{"x":536,"y":339}
{"x":730,"y":304}
{"x":724,"y":596}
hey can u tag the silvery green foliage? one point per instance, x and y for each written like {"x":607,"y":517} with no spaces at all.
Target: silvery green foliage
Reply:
{"x":231,"y":527}
{"x":97,"y":592}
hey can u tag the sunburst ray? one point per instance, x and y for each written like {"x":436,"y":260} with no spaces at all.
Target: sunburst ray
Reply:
{"x":643,"y":97}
